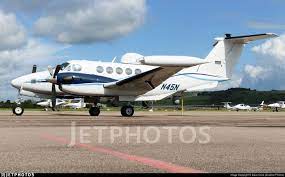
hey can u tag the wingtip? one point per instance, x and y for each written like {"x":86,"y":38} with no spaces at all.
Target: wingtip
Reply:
{"x":272,"y":34}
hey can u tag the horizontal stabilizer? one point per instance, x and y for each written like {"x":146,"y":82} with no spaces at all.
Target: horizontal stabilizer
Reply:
{"x":248,"y":38}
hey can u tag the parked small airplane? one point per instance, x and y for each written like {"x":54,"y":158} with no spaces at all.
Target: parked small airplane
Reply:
{"x":239,"y":107}
{"x":137,"y":78}
{"x":276,"y":106}
{"x":48,"y":103}
{"x":76,"y":104}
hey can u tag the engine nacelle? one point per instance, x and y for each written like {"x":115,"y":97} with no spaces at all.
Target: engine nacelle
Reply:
{"x":171,"y":61}
{"x":27,"y":93}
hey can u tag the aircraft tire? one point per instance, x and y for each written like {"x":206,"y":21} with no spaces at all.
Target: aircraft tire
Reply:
{"x":127,"y":111}
{"x":18,"y":110}
{"x":94,"y":111}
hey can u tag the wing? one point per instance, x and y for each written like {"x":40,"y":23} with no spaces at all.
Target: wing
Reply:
{"x":145,"y":81}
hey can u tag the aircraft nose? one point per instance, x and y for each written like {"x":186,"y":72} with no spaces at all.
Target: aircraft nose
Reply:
{"x":16,"y":83}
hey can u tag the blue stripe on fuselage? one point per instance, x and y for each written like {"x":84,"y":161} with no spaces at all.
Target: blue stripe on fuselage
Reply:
{"x":201,"y":76}
{"x":80,"y":78}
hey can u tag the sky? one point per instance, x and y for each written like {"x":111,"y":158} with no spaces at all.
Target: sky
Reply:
{"x":51,"y":32}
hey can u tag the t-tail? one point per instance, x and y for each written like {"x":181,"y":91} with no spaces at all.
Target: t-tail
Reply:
{"x":226,"y":52}
{"x":227,"y":105}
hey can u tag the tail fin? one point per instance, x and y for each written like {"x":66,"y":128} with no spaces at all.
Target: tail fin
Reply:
{"x":226,"y":52}
{"x":262,"y":103}
{"x":227,"y":105}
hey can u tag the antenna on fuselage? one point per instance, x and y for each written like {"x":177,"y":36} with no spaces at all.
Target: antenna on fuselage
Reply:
{"x":114,"y":59}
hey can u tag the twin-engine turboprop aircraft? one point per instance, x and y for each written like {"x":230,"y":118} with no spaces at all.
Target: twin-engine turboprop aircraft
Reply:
{"x":137,"y":77}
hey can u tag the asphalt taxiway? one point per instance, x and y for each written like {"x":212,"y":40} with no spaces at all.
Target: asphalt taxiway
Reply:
{"x":238,"y":142}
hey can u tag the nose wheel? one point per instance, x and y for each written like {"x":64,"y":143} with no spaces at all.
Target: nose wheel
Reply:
{"x":127,"y":111}
{"x":18,"y":110}
{"x":94,"y":111}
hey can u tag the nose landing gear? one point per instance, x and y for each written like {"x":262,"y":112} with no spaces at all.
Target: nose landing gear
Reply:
{"x":18,"y":110}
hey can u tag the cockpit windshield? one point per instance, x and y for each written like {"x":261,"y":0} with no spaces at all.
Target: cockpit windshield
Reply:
{"x":64,"y":65}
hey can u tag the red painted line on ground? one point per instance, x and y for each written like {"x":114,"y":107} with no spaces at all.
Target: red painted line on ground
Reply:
{"x":169,"y":167}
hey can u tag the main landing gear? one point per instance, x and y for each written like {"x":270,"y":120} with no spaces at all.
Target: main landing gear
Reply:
{"x":126,"y":111}
{"x":276,"y":109}
{"x":94,"y":111}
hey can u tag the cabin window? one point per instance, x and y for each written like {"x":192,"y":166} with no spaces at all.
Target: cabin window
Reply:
{"x":129,"y":71}
{"x":218,"y":62}
{"x":109,"y":70}
{"x":100,"y":69}
{"x":76,"y":67}
{"x":119,"y":70}
{"x":138,"y":71}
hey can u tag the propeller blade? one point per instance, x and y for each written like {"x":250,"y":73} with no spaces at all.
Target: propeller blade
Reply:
{"x":57,"y":69}
{"x":34,"y":69}
{"x":53,"y":75}
{"x":60,"y":87}
{"x":53,"y":99}
{"x":50,"y":70}
{"x":53,"y":80}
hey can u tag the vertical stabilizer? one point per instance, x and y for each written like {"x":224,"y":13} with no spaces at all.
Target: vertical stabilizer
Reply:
{"x":226,"y":52}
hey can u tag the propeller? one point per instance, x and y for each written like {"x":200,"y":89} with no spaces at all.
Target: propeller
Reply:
{"x":53,"y":99}
{"x":50,"y":70}
{"x":53,"y":80}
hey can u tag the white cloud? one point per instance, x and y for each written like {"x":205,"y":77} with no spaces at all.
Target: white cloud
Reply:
{"x":81,"y":21}
{"x":91,"y":21}
{"x":17,"y":62}
{"x":12,"y":34}
{"x":273,"y":48}
{"x":235,"y":81}
{"x":254,"y":72}
{"x":73,"y":22}
{"x":269,"y":71}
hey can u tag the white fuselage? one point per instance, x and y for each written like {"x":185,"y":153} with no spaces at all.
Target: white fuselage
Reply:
{"x":186,"y":79}
{"x":277,"y":105}
{"x":238,"y":107}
